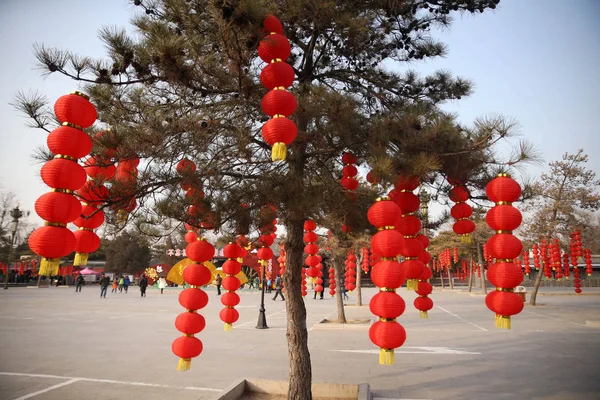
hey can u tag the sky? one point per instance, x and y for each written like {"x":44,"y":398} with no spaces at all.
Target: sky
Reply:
{"x":532,"y":60}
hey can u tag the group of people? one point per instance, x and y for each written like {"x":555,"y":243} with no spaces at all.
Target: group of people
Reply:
{"x":122,"y":283}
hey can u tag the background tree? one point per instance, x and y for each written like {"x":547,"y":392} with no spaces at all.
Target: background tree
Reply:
{"x":127,"y":254}
{"x":566,"y":196}
{"x":187,"y":85}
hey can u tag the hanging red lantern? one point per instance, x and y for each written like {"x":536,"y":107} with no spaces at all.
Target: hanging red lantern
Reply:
{"x":526,"y":263}
{"x":566,"y":265}
{"x":504,"y":247}
{"x":75,"y":108}
{"x":64,"y":175}
{"x":185,"y":167}
{"x":388,"y":276}
{"x":188,"y":346}
{"x":372,"y":178}
{"x":423,"y":303}
{"x":349,"y":171}
{"x":274,"y":49}
{"x":229,"y":315}
{"x":536,"y":256}
{"x":461,"y":212}
{"x":99,"y":169}
{"x":587,"y":256}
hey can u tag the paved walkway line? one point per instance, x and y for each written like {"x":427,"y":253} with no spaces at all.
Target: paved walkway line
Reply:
{"x":75,"y":379}
{"x":27,"y":396}
{"x":462,"y":319}
{"x":557,"y":319}
{"x":266,"y":316}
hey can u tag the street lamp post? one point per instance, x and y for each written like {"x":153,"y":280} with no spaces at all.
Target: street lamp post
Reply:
{"x":15,"y":214}
{"x":262,"y":318}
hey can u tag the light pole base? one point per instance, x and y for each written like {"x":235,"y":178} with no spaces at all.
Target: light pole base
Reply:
{"x":262,"y":320}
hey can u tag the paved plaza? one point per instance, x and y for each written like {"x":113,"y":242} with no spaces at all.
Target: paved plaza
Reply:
{"x":57,"y":344}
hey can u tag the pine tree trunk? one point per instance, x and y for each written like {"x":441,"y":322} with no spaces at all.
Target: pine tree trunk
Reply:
{"x":481,"y":268}
{"x":470,"y":276}
{"x":297,"y":334}
{"x":341,"y":318}
{"x":536,"y":286}
{"x":358,"y":286}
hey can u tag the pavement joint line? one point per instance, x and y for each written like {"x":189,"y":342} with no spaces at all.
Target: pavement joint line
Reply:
{"x":73,"y":379}
{"x":557,"y":319}
{"x":267,"y":316}
{"x":59,"y":385}
{"x":462,"y":319}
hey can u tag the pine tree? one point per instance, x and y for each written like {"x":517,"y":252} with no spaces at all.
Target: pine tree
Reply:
{"x":187,"y":86}
{"x":567,"y":194}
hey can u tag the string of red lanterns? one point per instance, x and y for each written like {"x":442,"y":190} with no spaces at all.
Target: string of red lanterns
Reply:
{"x":409,"y":226}
{"x":196,"y":275}
{"x":566,"y":265}
{"x":229,"y":315}
{"x":526,"y":263}
{"x":350,"y":275}
{"x":387,"y":275}
{"x":575,"y":254}
{"x":536,"y":256}
{"x":332,"y":283}
{"x":504,"y":247}
{"x":587,"y":256}
{"x":277,"y":76}
{"x":64,"y":175}
{"x":364,"y":263}
{"x":461,"y":212}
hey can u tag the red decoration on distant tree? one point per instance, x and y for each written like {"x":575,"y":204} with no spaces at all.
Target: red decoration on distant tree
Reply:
{"x":536,"y":256}
{"x":575,"y":254}
{"x":388,"y":275}
{"x":587,"y":256}
{"x":64,"y":175}
{"x":277,"y":76}
{"x":504,"y":247}
{"x":526,"y":263}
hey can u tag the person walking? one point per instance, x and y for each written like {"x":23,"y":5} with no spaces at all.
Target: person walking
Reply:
{"x":218,"y":282}
{"x":115,"y":283}
{"x":162,"y":284}
{"x":269,"y":285}
{"x":278,"y":288}
{"x":143,"y":285}
{"x":126,"y":283}
{"x":104,"y":282}
{"x":251,"y":283}
{"x":78,"y":283}
{"x":121,"y":283}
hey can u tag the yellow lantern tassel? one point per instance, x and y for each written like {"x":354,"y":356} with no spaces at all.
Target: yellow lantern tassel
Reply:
{"x":49,"y":266}
{"x":184,"y":364}
{"x":386,"y":356}
{"x":81,"y":259}
{"x":278,"y":152}
{"x":240,"y":259}
{"x":412,"y":284}
{"x":502,"y":322}
{"x":227,"y":327}
{"x":423,"y":314}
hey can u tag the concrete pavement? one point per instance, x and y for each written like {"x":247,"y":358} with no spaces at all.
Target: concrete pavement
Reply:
{"x":61,"y":345}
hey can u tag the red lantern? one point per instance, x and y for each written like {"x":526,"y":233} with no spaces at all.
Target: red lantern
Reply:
{"x":186,"y":348}
{"x":372,"y":178}
{"x":69,"y":141}
{"x":75,"y":108}
{"x":279,"y":102}
{"x":387,"y":335}
{"x":64,"y":175}
{"x":504,"y":247}
{"x":278,"y":74}
{"x":274,"y":47}
{"x":58,"y":207}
